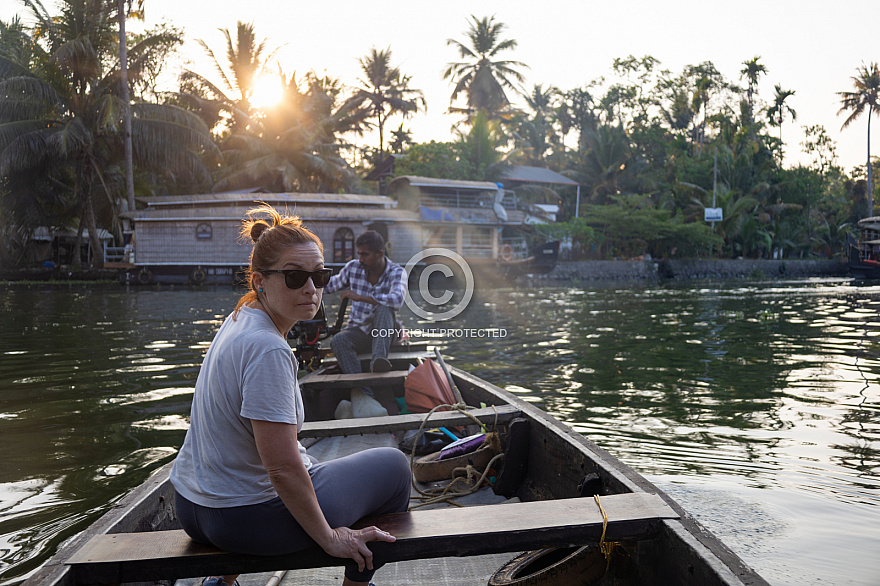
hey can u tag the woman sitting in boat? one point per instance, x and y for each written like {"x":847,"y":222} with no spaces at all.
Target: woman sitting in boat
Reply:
{"x":243,"y":481}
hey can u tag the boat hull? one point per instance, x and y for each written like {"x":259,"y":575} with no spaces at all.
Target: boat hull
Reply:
{"x":559,"y":459}
{"x":863,"y":255}
{"x":542,"y":260}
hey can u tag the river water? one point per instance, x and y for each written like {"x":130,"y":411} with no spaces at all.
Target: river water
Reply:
{"x":755,"y":404}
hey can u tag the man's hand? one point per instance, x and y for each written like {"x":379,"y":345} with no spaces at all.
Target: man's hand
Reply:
{"x":349,"y":294}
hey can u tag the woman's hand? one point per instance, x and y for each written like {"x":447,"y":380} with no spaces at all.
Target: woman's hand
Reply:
{"x":352,"y":543}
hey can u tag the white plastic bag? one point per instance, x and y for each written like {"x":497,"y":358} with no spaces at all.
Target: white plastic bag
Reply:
{"x":363,"y":405}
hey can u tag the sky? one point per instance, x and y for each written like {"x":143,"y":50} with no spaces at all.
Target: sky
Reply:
{"x":811,"y":46}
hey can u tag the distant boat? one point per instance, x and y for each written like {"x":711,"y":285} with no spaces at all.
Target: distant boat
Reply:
{"x":542,"y":260}
{"x":864,"y":254}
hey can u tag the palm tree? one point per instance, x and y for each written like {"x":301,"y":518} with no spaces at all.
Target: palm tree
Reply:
{"x":751,"y":71}
{"x":246,"y":59}
{"x":482,"y":77}
{"x":866,"y":95}
{"x":481,"y":147}
{"x":15,"y":43}
{"x":537,"y":133}
{"x":607,"y":166}
{"x":387,"y":91}
{"x":582,"y":110}
{"x":700,"y":101}
{"x":707,"y":80}
{"x":400,"y":140}
{"x":294,"y":147}
{"x":779,"y":109}
{"x":63,"y":114}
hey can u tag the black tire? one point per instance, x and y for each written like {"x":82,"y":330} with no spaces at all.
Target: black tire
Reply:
{"x":553,"y":566}
{"x":145,"y":277}
{"x":197,"y":276}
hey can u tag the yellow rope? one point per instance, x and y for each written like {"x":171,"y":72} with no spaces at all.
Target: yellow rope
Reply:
{"x":606,"y":550}
{"x":605,"y":547}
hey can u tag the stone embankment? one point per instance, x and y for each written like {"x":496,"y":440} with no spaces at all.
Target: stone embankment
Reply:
{"x":622,"y":270}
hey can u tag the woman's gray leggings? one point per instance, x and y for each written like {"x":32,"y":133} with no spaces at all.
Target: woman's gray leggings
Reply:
{"x":374,"y":481}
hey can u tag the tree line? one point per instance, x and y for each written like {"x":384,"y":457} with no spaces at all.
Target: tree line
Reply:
{"x":651,"y":149}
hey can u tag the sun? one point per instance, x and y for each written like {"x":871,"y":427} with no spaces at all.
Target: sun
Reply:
{"x":267,"y":91}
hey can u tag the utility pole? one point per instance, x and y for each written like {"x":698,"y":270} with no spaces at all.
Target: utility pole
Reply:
{"x":126,"y":107}
{"x":714,"y":183}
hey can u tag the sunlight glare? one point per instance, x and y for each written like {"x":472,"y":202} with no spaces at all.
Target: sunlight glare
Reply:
{"x":267,"y":91}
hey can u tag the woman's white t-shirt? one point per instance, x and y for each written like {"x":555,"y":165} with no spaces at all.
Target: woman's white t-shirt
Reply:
{"x":249,"y":372}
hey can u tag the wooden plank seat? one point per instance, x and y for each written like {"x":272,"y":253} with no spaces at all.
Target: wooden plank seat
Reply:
{"x":469,"y":531}
{"x":347,"y":381}
{"x":337,"y":427}
{"x":408,"y":356}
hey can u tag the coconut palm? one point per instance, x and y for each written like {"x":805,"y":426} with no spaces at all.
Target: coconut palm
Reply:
{"x":865,"y":96}
{"x":63,"y":114}
{"x":535,"y":132}
{"x":481,"y":76}
{"x":246,"y":59}
{"x":387,"y":91}
{"x":752,"y":70}
{"x":706,"y":81}
{"x":15,"y":43}
{"x":582,"y":111}
{"x":481,"y":147}
{"x":400,"y":140}
{"x":606,"y":168}
{"x":700,"y":102}
{"x":777,"y":112}
{"x":295,"y":146}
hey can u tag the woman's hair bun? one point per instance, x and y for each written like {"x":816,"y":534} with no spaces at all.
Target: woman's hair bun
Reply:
{"x":257,"y":230}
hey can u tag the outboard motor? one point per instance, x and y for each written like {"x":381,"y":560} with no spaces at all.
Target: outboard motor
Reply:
{"x":309,"y":334}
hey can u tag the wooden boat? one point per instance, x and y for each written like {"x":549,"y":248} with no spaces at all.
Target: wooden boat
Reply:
{"x":542,"y":260}
{"x":551,"y":469}
{"x":864,"y":254}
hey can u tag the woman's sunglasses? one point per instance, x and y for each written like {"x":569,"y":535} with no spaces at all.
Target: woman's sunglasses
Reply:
{"x":296,"y":278}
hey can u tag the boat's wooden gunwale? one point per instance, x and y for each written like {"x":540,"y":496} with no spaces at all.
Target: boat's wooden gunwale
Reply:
{"x":700,"y":553}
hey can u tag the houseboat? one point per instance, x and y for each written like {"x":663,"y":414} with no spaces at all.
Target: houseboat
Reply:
{"x":194,"y":238}
{"x":864,"y":254}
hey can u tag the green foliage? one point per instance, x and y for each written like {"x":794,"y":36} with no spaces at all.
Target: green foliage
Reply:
{"x":444,"y":160}
{"x":582,"y":235}
{"x":650,"y":148}
{"x":630,"y":227}
{"x":61,"y":120}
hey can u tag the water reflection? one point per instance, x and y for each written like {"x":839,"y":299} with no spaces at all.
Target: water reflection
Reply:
{"x":96,"y":384}
{"x":772,"y":384}
{"x":762,"y":393}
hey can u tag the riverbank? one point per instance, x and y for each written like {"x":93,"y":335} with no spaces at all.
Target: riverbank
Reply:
{"x":590,"y":270}
{"x":623,"y":270}
{"x":61,"y":275}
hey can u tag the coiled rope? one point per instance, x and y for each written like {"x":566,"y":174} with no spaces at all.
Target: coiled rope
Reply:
{"x":471,"y":475}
